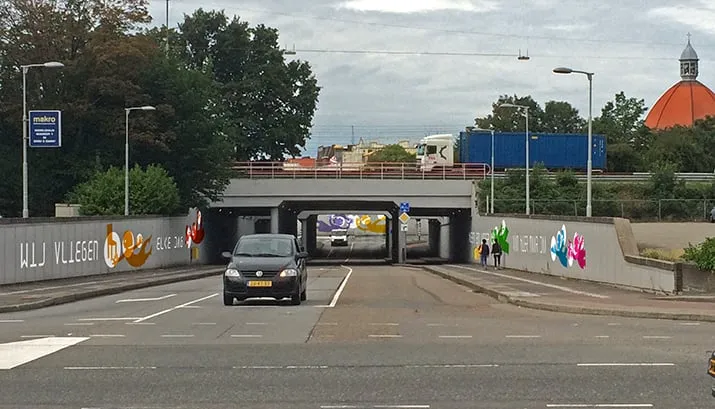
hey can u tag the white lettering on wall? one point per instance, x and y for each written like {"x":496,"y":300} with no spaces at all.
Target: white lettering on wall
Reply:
{"x":28,"y":256}
{"x":529,"y":244}
{"x":170,"y":243}
{"x":79,"y":251}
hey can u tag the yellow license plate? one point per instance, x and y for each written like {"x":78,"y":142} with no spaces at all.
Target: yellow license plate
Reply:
{"x":260,"y":283}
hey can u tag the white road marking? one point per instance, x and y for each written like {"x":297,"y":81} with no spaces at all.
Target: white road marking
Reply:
{"x":602,"y":336}
{"x":390,"y":324}
{"x":614,"y":324}
{"x":521,"y":294}
{"x":36,"y":336}
{"x":455,"y":336}
{"x":247,"y":336}
{"x":436,"y":325}
{"x":327,"y":323}
{"x":599,"y":405}
{"x":10,"y":321}
{"x":14,"y":354}
{"x":656,"y":337}
{"x":523,"y":336}
{"x":107,"y":336}
{"x":189,"y":307}
{"x":204,"y":323}
{"x":177,"y":336}
{"x":175,"y":308}
{"x":146,"y":299}
{"x":341,"y":288}
{"x":94,"y":368}
{"x":384,"y":336}
{"x":79,"y":324}
{"x":558,"y":287}
{"x":682,"y":323}
{"x":627,"y":364}
{"x":461,"y":366}
{"x":403,"y":406}
{"x":109,"y":319}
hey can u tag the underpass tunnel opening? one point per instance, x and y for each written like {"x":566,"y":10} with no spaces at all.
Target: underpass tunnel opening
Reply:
{"x":223,"y":226}
{"x":347,"y":232}
{"x":447,"y":236}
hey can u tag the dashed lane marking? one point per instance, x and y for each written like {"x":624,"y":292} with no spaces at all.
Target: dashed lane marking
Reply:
{"x":96,"y":368}
{"x":11,"y":321}
{"x":246,"y":336}
{"x":107,"y":336}
{"x":145,"y":299}
{"x":455,"y":336}
{"x":627,"y":364}
{"x":175,"y":308}
{"x":204,"y":323}
{"x":110,"y":319}
{"x":656,"y":337}
{"x":384,"y":336}
{"x":391,"y":324}
{"x":177,"y":336}
{"x":79,"y":324}
{"x":523,"y":336}
{"x":599,"y":405}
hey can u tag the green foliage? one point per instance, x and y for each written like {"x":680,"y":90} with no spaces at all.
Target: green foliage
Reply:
{"x":151,"y":191}
{"x":703,"y":254}
{"x":223,"y":92}
{"x":393,"y":153}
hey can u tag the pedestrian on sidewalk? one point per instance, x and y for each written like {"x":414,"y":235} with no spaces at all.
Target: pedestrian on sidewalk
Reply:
{"x":496,"y":251}
{"x":484,"y":253}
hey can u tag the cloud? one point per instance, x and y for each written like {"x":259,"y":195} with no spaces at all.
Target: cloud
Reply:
{"x":388,"y":97}
{"x":701,"y":18}
{"x":419,"y":6}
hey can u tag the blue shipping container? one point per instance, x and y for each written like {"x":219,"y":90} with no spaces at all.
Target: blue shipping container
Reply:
{"x":555,"y":151}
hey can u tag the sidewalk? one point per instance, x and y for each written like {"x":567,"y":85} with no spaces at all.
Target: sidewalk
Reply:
{"x":40,"y":294}
{"x":556,"y":294}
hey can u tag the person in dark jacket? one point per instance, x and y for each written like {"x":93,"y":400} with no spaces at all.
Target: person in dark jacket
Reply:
{"x":484,"y":253}
{"x":496,"y":251}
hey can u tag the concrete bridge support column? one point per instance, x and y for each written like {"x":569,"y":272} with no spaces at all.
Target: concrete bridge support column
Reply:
{"x":444,"y":238}
{"x":221,"y":235}
{"x":397,"y":253}
{"x":275,"y":220}
{"x":309,"y":233}
{"x":287,"y":222}
{"x":433,"y":236}
{"x":459,"y":229}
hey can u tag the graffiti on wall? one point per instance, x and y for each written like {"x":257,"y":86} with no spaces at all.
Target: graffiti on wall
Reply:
{"x":129,"y":247}
{"x":566,"y":251}
{"x":343,"y":221}
{"x":499,"y":233}
{"x":195,"y":232}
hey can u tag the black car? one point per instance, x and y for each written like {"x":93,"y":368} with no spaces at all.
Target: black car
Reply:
{"x":266,"y":265}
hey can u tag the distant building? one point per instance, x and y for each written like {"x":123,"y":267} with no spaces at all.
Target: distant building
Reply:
{"x":686,"y":101}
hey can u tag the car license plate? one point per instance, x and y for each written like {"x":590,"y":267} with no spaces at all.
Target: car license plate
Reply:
{"x":260,"y":283}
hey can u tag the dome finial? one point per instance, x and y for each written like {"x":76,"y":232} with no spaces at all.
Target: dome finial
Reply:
{"x":689,"y":63}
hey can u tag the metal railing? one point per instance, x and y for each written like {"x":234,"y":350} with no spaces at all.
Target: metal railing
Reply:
{"x":642,"y":210}
{"x":359,"y":170}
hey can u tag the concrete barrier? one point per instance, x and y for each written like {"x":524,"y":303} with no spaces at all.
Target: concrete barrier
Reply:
{"x":595,"y":249}
{"x":47,"y":248}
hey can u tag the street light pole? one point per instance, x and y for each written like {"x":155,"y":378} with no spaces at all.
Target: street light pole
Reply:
{"x":528,"y":188}
{"x":589,"y":161}
{"x":126,"y":152}
{"x":25,"y":125}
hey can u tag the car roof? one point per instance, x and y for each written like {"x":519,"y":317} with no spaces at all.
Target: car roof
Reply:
{"x":269,"y":235}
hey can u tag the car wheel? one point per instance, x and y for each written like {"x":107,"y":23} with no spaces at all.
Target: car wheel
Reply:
{"x":295,"y":299}
{"x":304,"y":294}
{"x":227,"y":299}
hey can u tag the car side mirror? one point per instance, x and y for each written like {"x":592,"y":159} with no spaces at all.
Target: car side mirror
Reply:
{"x":226,"y":254}
{"x":302,"y":254}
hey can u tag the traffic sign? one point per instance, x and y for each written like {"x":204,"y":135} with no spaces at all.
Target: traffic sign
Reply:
{"x":404,"y":207}
{"x":403,"y":227}
{"x":404,"y":218}
{"x":45,"y":129}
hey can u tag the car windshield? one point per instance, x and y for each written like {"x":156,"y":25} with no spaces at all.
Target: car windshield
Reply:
{"x":264,"y":247}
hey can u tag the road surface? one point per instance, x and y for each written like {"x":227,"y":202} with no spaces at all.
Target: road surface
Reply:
{"x":368,"y":336}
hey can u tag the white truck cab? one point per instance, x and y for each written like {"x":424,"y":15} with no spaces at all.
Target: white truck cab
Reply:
{"x":435,"y":151}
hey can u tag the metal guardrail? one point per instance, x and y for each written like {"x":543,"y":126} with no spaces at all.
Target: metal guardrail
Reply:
{"x":382,"y":170}
{"x":386,"y":170}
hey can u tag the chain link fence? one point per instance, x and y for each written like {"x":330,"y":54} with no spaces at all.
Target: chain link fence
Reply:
{"x":642,"y":210}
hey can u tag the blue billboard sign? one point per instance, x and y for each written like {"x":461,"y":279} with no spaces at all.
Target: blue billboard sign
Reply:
{"x":45,"y":129}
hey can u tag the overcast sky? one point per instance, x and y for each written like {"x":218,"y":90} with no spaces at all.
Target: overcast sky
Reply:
{"x":631,"y":46}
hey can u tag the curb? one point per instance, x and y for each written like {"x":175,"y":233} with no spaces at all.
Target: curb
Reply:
{"x":65,"y":299}
{"x":571,"y":309}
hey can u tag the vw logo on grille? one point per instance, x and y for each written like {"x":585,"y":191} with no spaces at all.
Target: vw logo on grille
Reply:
{"x":259,"y":273}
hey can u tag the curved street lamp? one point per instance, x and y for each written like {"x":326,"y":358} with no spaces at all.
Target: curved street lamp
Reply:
{"x":589,"y":164}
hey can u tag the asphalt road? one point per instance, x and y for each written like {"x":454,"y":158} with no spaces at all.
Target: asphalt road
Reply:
{"x":368,"y":336}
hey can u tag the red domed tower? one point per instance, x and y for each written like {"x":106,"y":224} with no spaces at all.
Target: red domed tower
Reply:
{"x":686,"y":101}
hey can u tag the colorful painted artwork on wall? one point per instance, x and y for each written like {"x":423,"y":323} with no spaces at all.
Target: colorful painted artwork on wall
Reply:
{"x":343,"y":221}
{"x":567,"y":251}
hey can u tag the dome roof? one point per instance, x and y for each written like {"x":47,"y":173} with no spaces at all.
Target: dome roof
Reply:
{"x":683,"y":104}
{"x":689,"y":53}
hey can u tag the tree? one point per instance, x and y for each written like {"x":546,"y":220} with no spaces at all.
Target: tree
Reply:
{"x":622,"y":121}
{"x":512,"y":119}
{"x":392,"y":154}
{"x":561,"y":117}
{"x":269,"y":103}
{"x":151,"y":191}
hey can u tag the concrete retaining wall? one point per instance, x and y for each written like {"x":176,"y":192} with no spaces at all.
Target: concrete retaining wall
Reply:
{"x":538,"y":244}
{"x":47,"y":249}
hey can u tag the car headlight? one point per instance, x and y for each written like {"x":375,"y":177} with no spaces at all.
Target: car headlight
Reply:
{"x":232,"y":272}
{"x":289,"y":272}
